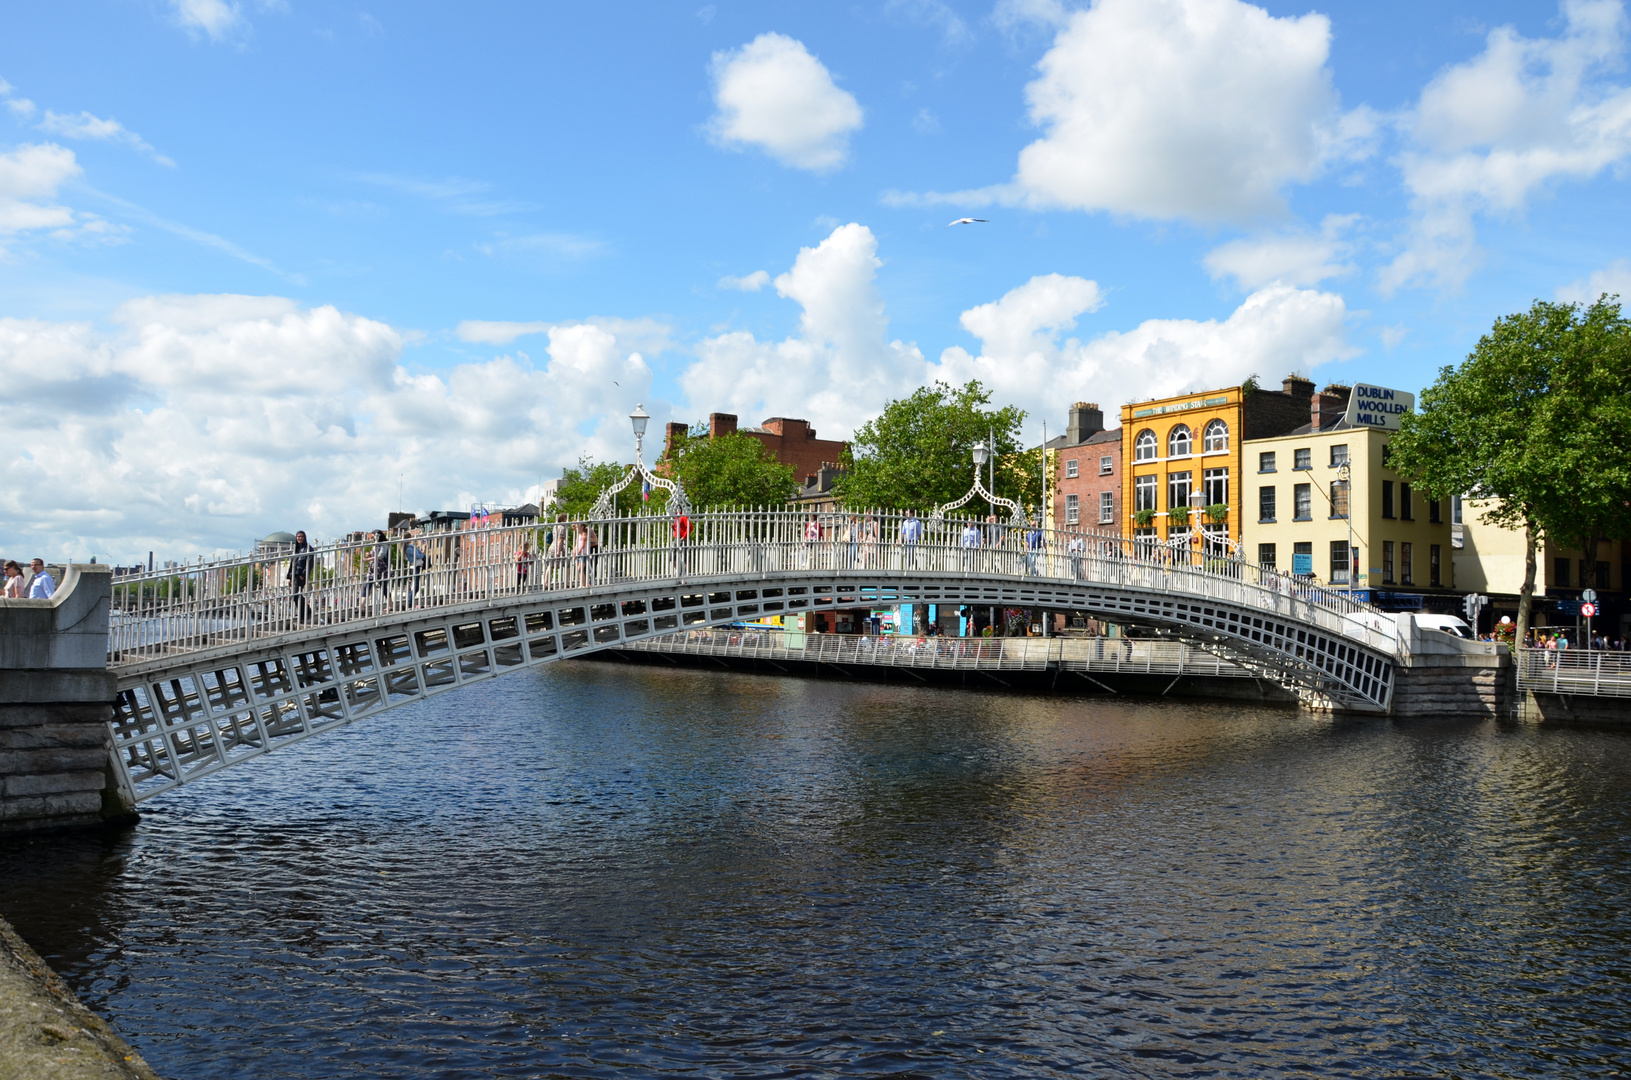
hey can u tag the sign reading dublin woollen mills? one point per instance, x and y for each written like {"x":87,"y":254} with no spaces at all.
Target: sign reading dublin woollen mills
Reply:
{"x":1378,"y":407}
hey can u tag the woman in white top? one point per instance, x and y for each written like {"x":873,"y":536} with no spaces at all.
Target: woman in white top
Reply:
{"x":14,"y":581}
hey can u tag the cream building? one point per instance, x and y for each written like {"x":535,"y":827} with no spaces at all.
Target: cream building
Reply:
{"x":1489,"y":560}
{"x":1299,"y":515}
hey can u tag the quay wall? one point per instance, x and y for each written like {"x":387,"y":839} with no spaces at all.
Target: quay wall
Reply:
{"x":56,"y":698}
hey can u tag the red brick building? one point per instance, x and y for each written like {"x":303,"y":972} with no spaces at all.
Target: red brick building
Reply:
{"x":1087,"y":474}
{"x":791,"y":442}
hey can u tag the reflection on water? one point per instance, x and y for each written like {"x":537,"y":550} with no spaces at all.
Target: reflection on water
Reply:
{"x":592,"y":870}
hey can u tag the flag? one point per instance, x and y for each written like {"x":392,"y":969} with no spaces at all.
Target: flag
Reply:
{"x":645,"y":490}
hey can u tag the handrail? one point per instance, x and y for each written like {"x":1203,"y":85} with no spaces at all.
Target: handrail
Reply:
{"x":1592,"y":672}
{"x":211,"y":603}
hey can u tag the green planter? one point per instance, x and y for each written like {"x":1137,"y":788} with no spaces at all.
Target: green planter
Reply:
{"x":1217,"y":513}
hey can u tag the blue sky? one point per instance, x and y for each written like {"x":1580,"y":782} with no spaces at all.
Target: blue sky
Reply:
{"x":267,"y":265}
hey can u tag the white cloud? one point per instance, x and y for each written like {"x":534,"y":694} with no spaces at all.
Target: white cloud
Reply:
{"x":497,"y":333}
{"x":216,"y":19}
{"x":204,"y":422}
{"x":1297,"y":257}
{"x":1488,"y":134}
{"x":771,"y":93}
{"x":29,"y":178}
{"x":1014,"y":14}
{"x":1613,"y":280}
{"x":86,"y":126}
{"x":21,"y":108}
{"x":1201,"y":110}
{"x":1023,"y":361}
{"x":838,"y":370}
{"x":747,"y":283}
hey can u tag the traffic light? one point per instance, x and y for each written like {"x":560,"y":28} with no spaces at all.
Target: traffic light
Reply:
{"x":1471,"y":605}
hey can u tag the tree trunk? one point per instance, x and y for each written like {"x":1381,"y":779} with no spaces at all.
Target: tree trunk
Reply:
{"x":1526,"y":595}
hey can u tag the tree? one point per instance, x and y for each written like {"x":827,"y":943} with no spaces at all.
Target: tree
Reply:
{"x":731,"y":470}
{"x":1537,"y":419}
{"x":916,"y":453}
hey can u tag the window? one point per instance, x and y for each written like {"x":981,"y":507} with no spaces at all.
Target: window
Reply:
{"x":1600,"y":574}
{"x":1265,"y":554}
{"x":1107,"y":465}
{"x":1265,"y":461}
{"x":1070,"y":468}
{"x":1433,"y":514}
{"x":1302,"y":503}
{"x":1217,"y":486}
{"x":1406,"y":563}
{"x":1339,"y":562}
{"x":1339,"y":455}
{"x":1072,"y":512}
{"x":1178,"y":441}
{"x":1107,"y":507}
{"x":1177,"y":490}
{"x":1265,"y":504}
{"x":1339,"y":498}
{"x":1455,"y":509}
{"x":1302,"y":557}
{"x":1144,"y":493}
{"x":1560,"y":573}
{"x":1387,"y":562}
{"x":1217,"y":437}
{"x":1302,"y":459}
{"x":1435,"y":564}
{"x":1405,"y":513}
{"x":1387,"y":498}
{"x":1144,"y":446}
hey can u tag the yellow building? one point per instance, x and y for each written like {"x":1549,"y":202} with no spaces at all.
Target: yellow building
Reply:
{"x":1174,"y":446}
{"x":1303,"y":510}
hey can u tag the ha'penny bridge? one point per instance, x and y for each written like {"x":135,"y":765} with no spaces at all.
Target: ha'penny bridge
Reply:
{"x":220,"y":662}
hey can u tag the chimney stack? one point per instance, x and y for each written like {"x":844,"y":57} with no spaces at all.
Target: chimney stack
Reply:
{"x":1297,"y":386}
{"x":1086,"y":420}
{"x":1328,"y":406}
{"x":721,"y":423}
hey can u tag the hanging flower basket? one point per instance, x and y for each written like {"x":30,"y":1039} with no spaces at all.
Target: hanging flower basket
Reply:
{"x":1218,"y":512}
{"x":1178,"y":517}
{"x":1143,"y":519}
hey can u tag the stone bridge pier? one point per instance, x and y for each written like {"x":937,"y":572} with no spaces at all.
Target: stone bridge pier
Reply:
{"x":56,"y":698}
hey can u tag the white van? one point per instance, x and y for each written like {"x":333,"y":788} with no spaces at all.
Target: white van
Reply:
{"x":1447,"y":623}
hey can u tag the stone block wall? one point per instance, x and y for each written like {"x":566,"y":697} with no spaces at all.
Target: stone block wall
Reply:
{"x":1449,"y":685}
{"x":56,"y":698}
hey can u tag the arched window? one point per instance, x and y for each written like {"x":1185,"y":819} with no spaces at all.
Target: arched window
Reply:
{"x":1217,"y":436}
{"x":1178,"y":441}
{"x":1144,"y":446}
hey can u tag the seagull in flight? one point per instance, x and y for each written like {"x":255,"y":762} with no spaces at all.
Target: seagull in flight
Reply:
{"x":967,"y":221}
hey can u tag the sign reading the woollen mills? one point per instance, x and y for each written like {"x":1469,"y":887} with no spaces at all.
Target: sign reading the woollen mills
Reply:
{"x":1378,"y":407}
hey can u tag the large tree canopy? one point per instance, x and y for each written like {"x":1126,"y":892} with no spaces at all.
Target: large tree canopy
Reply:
{"x":581,"y":487}
{"x":916,"y":454}
{"x":1537,"y":419}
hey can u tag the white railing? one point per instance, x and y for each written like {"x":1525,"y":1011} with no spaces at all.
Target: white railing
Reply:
{"x":1129,"y":655}
{"x":213,"y":603}
{"x":1594,"y":672}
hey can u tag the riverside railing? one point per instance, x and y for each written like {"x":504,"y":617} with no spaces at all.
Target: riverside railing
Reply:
{"x":1594,"y":672}
{"x":1103,"y":654}
{"x":212,"y":603}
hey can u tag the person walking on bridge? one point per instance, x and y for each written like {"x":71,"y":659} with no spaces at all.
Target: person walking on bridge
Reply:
{"x":523,"y":568}
{"x":1033,"y":547}
{"x":911,"y":531}
{"x":971,"y":547}
{"x":580,"y":557}
{"x":682,"y":541}
{"x":41,"y":586}
{"x":299,"y":571}
{"x":14,"y":580}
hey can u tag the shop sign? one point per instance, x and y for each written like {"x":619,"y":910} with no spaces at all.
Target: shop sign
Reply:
{"x":1378,"y":407}
{"x":1157,"y":410}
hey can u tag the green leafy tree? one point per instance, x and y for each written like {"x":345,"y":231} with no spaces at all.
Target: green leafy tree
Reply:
{"x":731,"y":470}
{"x":917,"y":453}
{"x":1538,"y":420}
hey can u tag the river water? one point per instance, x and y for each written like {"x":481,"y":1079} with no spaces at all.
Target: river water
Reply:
{"x":595,"y":870}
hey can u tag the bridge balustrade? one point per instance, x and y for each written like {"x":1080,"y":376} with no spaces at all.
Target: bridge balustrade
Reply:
{"x":208,"y":604}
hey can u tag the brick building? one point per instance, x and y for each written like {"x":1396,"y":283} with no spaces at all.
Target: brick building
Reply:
{"x":791,"y":442}
{"x":1087,"y":472}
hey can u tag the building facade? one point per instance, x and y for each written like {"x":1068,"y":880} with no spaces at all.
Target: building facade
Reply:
{"x":1362,"y":527}
{"x":1489,"y":560}
{"x":1191,"y":443}
{"x":1086,"y":463}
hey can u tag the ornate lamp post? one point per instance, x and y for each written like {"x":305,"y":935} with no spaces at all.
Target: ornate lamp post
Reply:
{"x":1016,"y":515}
{"x":606,"y":505}
{"x":1345,"y":478}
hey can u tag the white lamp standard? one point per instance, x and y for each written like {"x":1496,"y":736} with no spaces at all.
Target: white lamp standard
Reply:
{"x":1345,"y":478}
{"x":980,"y":454}
{"x":607,"y":503}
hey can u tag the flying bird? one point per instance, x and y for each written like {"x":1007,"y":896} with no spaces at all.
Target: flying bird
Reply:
{"x":966,"y":221}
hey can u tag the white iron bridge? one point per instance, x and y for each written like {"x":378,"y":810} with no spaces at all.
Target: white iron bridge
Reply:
{"x":222,"y":661}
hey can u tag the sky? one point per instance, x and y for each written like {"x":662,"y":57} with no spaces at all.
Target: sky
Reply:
{"x":280,"y":264}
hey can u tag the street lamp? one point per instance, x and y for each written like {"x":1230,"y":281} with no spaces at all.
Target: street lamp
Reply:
{"x":607,"y":503}
{"x":1345,"y":478}
{"x":1197,"y":500}
{"x":980,"y":454}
